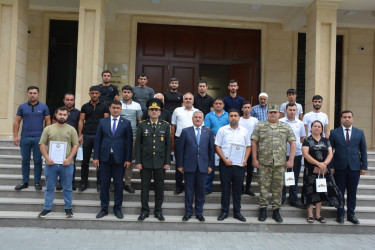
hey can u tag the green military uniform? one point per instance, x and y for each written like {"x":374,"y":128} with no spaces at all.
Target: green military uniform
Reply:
{"x":153,"y":150}
{"x":271,"y":140}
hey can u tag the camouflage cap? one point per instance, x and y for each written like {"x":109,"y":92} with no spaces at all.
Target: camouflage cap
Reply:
{"x":273,"y":108}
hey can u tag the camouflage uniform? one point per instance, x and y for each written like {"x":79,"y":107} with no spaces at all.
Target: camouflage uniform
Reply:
{"x":271,"y":140}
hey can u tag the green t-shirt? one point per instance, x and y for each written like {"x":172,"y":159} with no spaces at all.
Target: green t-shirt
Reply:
{"x":66,"y":134}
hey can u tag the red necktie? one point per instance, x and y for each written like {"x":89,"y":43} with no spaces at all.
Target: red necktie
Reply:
{"x":347,"y":136}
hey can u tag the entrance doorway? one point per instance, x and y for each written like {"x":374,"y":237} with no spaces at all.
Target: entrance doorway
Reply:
{"x":62,"y":61}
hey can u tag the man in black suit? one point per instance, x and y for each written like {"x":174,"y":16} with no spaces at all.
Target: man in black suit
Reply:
{"x":349,"y":162}
{"x":113,"y":151}
{"x":197,"y":157}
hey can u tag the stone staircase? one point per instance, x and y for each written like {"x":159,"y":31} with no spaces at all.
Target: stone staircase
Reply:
{"x":20,"y":208}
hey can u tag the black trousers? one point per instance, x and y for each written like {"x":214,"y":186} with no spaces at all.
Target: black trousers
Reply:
{"x":146,"y":176}
{"x":87,"y":146}
{"x":178,"y":175}
{"x":249,"y":173}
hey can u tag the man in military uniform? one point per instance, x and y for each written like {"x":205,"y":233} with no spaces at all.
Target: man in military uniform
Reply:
{"x":269,"y":150}
{"x":152,"y":157}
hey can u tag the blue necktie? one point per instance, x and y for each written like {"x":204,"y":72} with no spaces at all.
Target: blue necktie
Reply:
{"x":198,"y":135}
{"x":114,"y":126}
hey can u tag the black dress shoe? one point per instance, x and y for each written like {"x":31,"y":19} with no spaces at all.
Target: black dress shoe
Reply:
{"x":38,"y":186}
{"x":340,"y":219}
{"x":179,"y":190}
{"x":222,"y":216}
{"x":208,"y":192}
{"x":248,"y":192}
{"x":200,"y":217}
{"x":21,"y":186}
{"x":143,"y":216}
{"x":159,"y":216}
{"x":239,"y":217}
{"x":82,"y":188}
{"x":186,"y":217}
{"x":101,"y":214}
{"x":353,"y":220}
{"x":276,"y":215}
{"x":118,"y":214}
{"x":129,"y":189}
{"x":262,"y":214}
{"x":58,"y":187}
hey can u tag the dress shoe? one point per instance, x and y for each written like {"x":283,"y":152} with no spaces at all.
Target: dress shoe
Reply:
{"x":248,"y":192}
{"x":262,"y":214}
{"x":58,"y":187}
{"x":101,"y":214}
{"x":353,"y":220}
{"x":179,"y":190}
{"x":296,"y":204}
{"x":239,"y":217}
{"x":143,"y":216}
{"x":82,"y":188}
{"x":159,"y":216}
{"x":118,"y":214}
{"x":21,"y":186}
{"x":340,"y":219}
{"x":200,"y":217}
{"x":208,"y":192}
{"x":38,"y":186}
{"x":276,"y":215}
{"x":129,"y":189}
{"x":186,"y":217}
{"x":222,"y":216}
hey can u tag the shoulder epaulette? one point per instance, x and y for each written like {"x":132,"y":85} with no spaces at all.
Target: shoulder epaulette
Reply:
{"x":143,"y":121}
{"x":164,"y":121}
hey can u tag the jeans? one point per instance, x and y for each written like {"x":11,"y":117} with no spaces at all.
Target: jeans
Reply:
{"x":66,"y":174}
{"x":26,"y":144}
{"x":74,"y":171}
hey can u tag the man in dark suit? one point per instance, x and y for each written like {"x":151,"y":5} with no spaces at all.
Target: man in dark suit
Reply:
{"x":152,"y":157}
{"x":349,"y":162}
{"x":197,"y":157}
{"x":113,"y":150}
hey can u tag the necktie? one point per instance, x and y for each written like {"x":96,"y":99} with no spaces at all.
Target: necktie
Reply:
{"x":347,"y":136}
{"x":198,"y":135}
{"x":114,"y":126}
{"x":153,"y":126}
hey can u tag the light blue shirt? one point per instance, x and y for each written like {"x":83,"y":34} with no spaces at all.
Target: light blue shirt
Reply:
{"x":214,"y":122}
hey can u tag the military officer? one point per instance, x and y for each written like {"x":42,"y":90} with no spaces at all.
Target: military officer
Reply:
{"x":269,"y":150}
{"x":152,"y":157}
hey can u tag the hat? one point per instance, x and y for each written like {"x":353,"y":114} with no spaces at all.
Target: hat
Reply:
{"x":154,"y":103}
{"x":273,"y":108}
{"x":263,"y":94}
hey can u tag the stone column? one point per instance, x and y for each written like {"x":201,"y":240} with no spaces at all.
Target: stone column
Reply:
{"x":13,"y":51}
{"x":90,"y":51}
{"x":321,"y":54}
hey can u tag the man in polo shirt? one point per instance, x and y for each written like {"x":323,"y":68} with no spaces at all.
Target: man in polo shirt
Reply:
{"x":260,"y":111}
{"x":131,"y":111}
{"x":233,"y":101}
{"x":72,"y":120}
{"x":299,"y":134}
{"x":34,"y":114}
{"x":173,"y":98}
{"x":291,"y":94}
{"x":142,"y":93}
{"x":214,"y":120}
{"x":181,"y":118}
{"x":202,"y":100}
{"x":91,"y":113}
{"x":108,"y":92}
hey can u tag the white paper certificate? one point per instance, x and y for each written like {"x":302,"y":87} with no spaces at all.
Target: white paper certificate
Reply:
{"x":237,"y":154}
{"x":57,"y":151}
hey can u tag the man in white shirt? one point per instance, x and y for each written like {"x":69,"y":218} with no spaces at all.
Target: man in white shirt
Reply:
{"x":249,"y":123}
{"x":316,"y":115}
{"x":181,"y":118}
{"x":291,"y":94}
{"x":299,"y":132}
{"x":231,"y":174}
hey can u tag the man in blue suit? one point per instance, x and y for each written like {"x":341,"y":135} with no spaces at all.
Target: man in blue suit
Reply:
{"x":349,"y":162}
{"x":197,"y":157}
{"x":113,"y":150}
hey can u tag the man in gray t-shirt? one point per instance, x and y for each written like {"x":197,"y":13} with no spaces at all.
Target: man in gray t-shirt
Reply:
{"x":142,"y":93}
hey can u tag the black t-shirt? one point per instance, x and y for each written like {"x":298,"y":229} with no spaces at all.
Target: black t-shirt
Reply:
{"x":107,"y":93}
{"x":73,"y":118}
{"x":172,"y":101}
{"x":203,"y":103}
{"x":93,"y":114}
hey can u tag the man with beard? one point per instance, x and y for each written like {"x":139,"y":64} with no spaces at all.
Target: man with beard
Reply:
{"x":316,"y":115}
{"x":233,"y":101}
{"x":62,"y":135}
{"x":172,"y":99}
{"x":260,"y":111}
{"x":91,"y":113}
{"x":202,"y":100}
{"x":72,"y":120}
{"x":231,"y":175}
{"x":108,"y":92}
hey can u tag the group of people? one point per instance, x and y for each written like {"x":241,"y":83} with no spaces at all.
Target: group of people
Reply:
{"x":203,"y":134}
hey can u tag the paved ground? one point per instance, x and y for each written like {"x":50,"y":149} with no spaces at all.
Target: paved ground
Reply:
{"x":40,"y":238}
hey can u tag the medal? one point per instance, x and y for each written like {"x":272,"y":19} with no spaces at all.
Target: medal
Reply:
{"x":162,"y":138}
{"x":146,"y":132}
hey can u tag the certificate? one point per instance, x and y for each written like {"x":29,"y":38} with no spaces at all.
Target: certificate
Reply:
{"x":57,"y":151}
{"x":237,"y":154}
